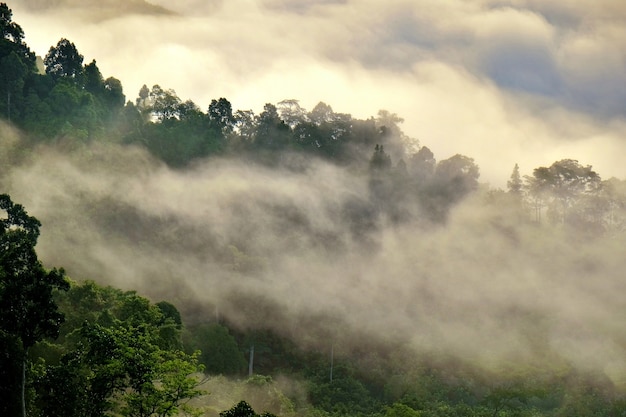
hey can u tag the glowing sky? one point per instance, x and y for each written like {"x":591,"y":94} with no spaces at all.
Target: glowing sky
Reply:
{"x":502,"y":81}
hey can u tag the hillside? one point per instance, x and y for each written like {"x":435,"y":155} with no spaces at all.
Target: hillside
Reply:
{"x":305,"y":261}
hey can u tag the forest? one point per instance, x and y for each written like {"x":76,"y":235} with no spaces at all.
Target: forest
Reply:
{"x":162,"y":259}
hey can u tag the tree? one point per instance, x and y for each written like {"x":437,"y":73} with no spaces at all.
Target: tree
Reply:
{"x":457,"y":175}
{"x":321,"y":131}
{"x":363,"y":135}
{"x":243,"y":409}
{"x":221,"y":115}
{"x":120,"y":368}
{"x":392,"y":136}
{"x":64,"y":60}
{"x":515,"y":184}
{"x":113,"y":94}
{"x":400,"y":410}
{"x":380,"y":160}
{"x":321,"y":113}
{"x":119,"y":358}
{"x":291,"y":112}
{"x":164,"y":104}
{"x":94,"y":82}
{"x":422,"y":165}
{"x":511,"y":398}
{"x":220,"y":353}
{"x":142,"y":99}
{"x":245,"y":126}
{"x":75,"y":112}
{"x":9,"y":29}
{"x":271,"y":132}
{"x":452,"y":180}
{"x":612,"y":202}
{"x":13,"y":73}
{"x":562,"y":185}
{"x":17,"y":64}
{"x":28,"y":312}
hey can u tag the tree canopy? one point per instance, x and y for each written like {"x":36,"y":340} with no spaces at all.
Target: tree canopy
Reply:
{"x":28,"y":310}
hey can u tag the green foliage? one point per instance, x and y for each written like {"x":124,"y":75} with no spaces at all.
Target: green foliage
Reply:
{"x":346,"y":394}
{"x":17,"y":63}
{"x":119,"y":358}
{"x":28,"y":311}
{"x":220,"y":352}
{"x":243,"y":409}
{"x":64,"y":61}
{"x":401,"y":410}
{"x":170,"y":312}
{"x":13,"y":73}
{"x":9,"y":29}
{"x":221,"y":116}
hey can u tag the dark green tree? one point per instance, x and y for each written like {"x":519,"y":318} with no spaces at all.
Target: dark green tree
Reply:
{"x":271,"y":132}
{"x":17,"y":65}
{"x":94,"y":82}
{"x":64,"y":60}
{"x":123,"y":358}
{"x":322,"y":132}
{"x":28,"y":312}
{"x":401,"y":410}
{"x":221,"y":115}
{"x":243,"y":409}
{"x":76,"y":113}
{"x":170,"y":311}
{"x":220,"y":352}
{"x":113,"y":95}
{"x":9,"y":29}
{"x":13,"y":73}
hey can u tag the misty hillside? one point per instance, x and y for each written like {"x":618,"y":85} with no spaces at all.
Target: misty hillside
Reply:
{"x":306,"y":261}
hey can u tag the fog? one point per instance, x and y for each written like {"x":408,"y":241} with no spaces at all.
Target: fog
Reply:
{"x":502,"y":81}
{"x":297,"y":249}
{"x":284,"y":249}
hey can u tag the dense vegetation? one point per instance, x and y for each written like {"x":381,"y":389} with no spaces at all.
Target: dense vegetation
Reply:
{"x":77,"y":348}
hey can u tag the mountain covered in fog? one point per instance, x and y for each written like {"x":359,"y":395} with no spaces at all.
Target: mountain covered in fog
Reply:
{"x":308,"y":233}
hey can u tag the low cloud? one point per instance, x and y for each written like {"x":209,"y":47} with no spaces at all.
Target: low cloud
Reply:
{"x":280,"y":249}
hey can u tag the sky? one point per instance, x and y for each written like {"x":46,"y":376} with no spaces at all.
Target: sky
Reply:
{"x":501,"y":81}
